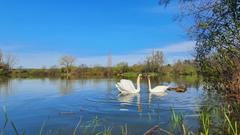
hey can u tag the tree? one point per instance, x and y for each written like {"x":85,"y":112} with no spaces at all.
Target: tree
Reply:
{"x":109,"y":64}
{"x":67,"y":62}
{"x":216,"y":30}
{"x":7,"y":62}
{"x":154,"y":62}
{"x":122,"y":67}
{"x":10,"y":60}
{"x":1,"y":56}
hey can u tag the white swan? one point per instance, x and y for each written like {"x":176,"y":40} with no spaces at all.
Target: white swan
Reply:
{"x":126,"y":86}
{"x":156,"y":89}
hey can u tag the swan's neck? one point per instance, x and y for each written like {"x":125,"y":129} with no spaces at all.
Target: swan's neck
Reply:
{"x":149,"y":84}
{"x":138,"y":84}
{"x":139,"y":103}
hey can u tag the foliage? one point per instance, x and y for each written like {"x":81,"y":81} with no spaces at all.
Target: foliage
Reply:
{"x":6,"y":63}
{"x":186,"y":67}
{"x":154,"y":62}
{"x":216,"y":30}
{"x":218,"y":41}
{"x":67,"y":62}
{"x":181,"y":68}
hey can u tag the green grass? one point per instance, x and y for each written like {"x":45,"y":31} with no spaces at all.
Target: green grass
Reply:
{"x":232,"y":126}
{"x":175,"y":117}
{"x":124,"y":130}
{"x":78,"y":124}
{"x":205,"y":121}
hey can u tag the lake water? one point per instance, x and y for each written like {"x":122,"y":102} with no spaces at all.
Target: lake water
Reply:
{"x":60,"y":104}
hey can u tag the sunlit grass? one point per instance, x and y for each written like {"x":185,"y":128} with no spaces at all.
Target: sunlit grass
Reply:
{"x":174,"y":118}
{"x":232,"y":126}
{"x":124,"y":130}
{"x":205,"y":121}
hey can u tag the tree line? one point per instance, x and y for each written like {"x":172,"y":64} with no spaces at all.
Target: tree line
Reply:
{"x":153,"y":64}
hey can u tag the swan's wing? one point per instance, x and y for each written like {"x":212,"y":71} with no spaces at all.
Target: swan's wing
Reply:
{"x":160,"y":89}
{"x":121,"y":89}
{"x":127,"y":84}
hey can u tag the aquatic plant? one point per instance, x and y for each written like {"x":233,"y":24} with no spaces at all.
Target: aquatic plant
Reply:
{"x":96,"y":127}
{"x":124,"y":130}
{"x":78,"y":124}
{"x":205,"y":121}
{"x":175,"y":117}
{"x":107,"y":131}
{"x":233,"y":127}
{"x":6,"y":120}
{"x":41,"y":129}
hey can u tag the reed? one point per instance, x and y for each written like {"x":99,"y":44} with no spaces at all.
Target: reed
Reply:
{"x":14,"y":128}
{"x":175,"y":117}
{"x":5,"y":122}
{"x":232,"y":126}
{"x":124,"y":130}
{"x":96,"y":127}
{"x":78,"y":124}
{"x":205,"y":121}
{"x":107,"y":131}
{"x":41,"y":129}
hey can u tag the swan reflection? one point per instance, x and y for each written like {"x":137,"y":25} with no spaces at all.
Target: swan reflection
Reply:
{"x":157,"y":95}
{"x":129,"y":99}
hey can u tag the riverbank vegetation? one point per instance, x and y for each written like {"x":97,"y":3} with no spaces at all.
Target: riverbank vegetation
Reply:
{"x":67,"y":68}
{"x":216,"y":30}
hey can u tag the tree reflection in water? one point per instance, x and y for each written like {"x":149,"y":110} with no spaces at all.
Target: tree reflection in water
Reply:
{"x":6,"y":88}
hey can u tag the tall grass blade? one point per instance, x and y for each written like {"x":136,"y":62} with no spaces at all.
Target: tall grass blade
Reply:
{"x":6,"y":117}
{"x":124,"y":130}
{"x":205,"y":118}
{"x":107,"y":131}
{"x":41,"y":129}
{"x":14,"y":128}
{"x":24,"y":132}
{"x":78,"y":124}
{"x":234,"y":129}
{"x":175,"y":117}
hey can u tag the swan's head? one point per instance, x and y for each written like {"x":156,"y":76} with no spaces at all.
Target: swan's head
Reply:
{"x":140,"y":76}
{"x":148,"y":76}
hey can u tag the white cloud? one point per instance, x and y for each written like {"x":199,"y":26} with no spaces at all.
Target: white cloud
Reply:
{"x":187,"y":46}
{"x":172,"y":52}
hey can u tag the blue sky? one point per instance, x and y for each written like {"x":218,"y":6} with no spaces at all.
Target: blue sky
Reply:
{"x":39,"y":32}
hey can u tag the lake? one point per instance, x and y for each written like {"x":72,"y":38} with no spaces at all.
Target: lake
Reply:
{"x":59,"y":105}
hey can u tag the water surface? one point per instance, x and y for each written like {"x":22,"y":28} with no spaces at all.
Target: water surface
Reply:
{"x":62,"y":103}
